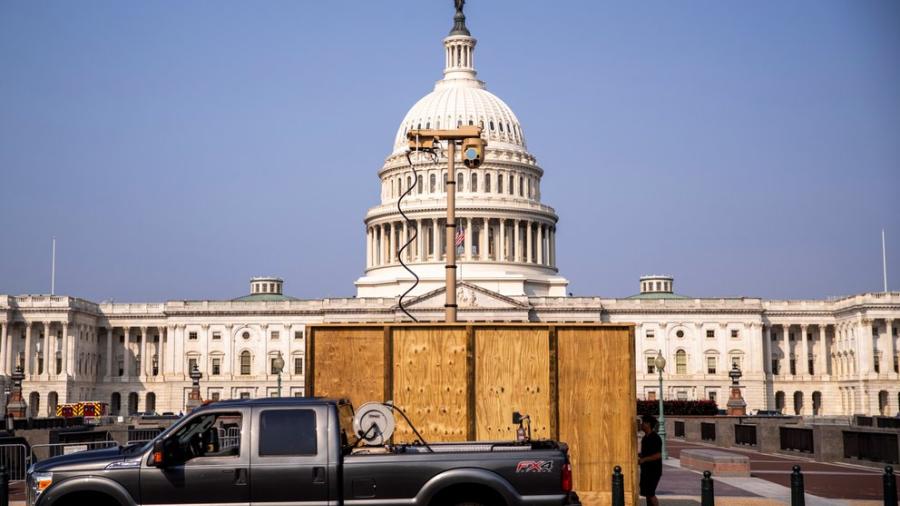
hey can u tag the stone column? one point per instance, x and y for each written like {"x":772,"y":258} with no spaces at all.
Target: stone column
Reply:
{"x":767,"y":346}
{"x":803,"y":365}
{"x":540,"y":243}
{"x":27,"y":369}
{"x":109,"y":352}
{"x":757,"y":358}
{"x":4,"y":347}
{"x":786,"y":363}
{"x":420,"y":240}
{"x":170,"y":351}
{"x":467,"y":240}
{"x":890,"y":349}
{"x":483,"y":241}
{"x":821,"y":352}
{"x":528,"y":241}
{"x":227,"y":358}
{"x":368,"y":247}
{"x":126,"y":353}
{"x":496,"y":242}
{"x":49,"y":348}
{"x":865,"y":345}
{"x":502,"y":252}
{"x":552,"y":247}
{"x":408,"y":250}
{"x":436,"y":240}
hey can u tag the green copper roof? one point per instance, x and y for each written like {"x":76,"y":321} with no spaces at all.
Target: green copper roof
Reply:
{"x":263,"y":297}
{"x":658,"y":295}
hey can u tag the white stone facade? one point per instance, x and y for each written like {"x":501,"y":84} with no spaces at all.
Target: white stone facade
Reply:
{"x":851,"y":345}
{"x":831,"y":357}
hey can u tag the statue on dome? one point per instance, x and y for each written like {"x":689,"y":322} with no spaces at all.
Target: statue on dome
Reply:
{"x":459,"y":5}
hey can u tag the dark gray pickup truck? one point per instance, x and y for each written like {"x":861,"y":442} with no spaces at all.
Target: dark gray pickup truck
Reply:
{"x":299,"y":452}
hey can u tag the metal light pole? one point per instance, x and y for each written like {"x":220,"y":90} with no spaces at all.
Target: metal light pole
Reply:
{"x":660,"y":364}
{"x":278,"y":364}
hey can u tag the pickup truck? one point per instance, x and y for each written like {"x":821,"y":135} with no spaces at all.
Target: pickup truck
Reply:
{"x":293,"y":451}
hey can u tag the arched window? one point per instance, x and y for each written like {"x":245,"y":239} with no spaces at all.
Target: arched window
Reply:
{"x":487,"y":183}
{"x":419,"y":185}
{"x":115,"y":404}
{"x":474,"y":185}
{"x":443,"y":181}
{"x":528,"y":188}
{"x":680,"y":362}
{"x":150,"y":402}
{"x":245,"y":363}
{"x":779,"y":401}
{"x":432,"y":183}
{"x":521,"y":186}
{"x":512,"y":184}
{"x":501,"y":126}
{"x":492,"y":126}
{"x":500,"y":183}
{"x":408,"y":181}
{"x":459,"y":181}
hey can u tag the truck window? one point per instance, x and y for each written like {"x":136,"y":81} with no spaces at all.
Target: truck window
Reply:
{"x":210,"y":435}
{"x":287,"y":432}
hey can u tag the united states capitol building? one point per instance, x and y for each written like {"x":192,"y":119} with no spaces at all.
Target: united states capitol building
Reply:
{"x":822,"y":357}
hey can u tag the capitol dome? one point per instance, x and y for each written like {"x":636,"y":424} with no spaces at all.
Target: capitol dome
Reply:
{"x":464,"y":102}
{"x":505,"y":237}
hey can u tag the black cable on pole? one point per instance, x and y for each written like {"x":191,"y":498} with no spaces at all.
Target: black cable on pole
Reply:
{"x":409,"y":240}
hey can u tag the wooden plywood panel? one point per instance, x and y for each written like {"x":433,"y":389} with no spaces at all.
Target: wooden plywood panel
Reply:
{"x":512,"y":373}
{"x":597,"y":407}
{"x":430,"y":382}
{"x":348,"y":362}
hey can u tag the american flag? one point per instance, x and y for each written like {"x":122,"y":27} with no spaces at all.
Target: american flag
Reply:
{"x":460,"y":236}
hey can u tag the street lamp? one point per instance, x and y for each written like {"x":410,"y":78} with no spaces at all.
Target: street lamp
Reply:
{"x":660,"y":364}
{"x":278,"y":365}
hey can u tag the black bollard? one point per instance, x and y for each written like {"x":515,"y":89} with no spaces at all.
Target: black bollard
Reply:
{"x":618,"y":487}
{"x":707,"y":492}
{"x":890,"y":486}
{"x":4,"y":486}
{"x":797,"y":495}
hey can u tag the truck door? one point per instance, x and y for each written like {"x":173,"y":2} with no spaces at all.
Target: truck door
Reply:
{"x":289,"y":455}
{"x":207,"y":461}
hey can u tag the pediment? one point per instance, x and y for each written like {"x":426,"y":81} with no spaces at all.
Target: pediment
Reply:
{"x":468,"y":296}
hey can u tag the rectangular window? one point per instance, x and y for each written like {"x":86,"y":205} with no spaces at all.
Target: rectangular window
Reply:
{"x":298,"y":365}
{"x":812,"y":366}
{"x":793,"y":366}
{"x":272,"y":368}
{"x":216,"y":366}
{"x":275,"y":334}
{"x":735,"y":333}
{"x":775,"y":366}
{"x":896,"y":363}
{"x":712,"y":396}
{"x":650,"y":333}
{"x":245,"y":395}
{"x":214,"y":396}
{"x":192,"y":336}
{"x":298,"y":393}
{"x":877,"y":362}
{"x":287,"y":432}
{"x":192,"y":363}
{"x":710,"y":365}
{"x":298,"y":334}
{"x":651,"y":396}
{"x":681,"y":395}
{"x":217,"y":336}
{"x":681,"y":363}
{"x":218,"y":433}
{"x":651,"y":365}
{"x":736,"y":361}
{"x":711,"y":333}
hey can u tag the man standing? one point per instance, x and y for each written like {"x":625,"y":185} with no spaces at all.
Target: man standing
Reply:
{"x":650,"y":459}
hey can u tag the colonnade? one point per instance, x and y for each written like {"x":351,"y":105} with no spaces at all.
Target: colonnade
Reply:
{"x":48,"y":349}
{"x":485,"y":240}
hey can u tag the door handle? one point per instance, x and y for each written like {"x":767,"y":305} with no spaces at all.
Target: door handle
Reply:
{"x":240,"y":476}
{"x":318,"y":475}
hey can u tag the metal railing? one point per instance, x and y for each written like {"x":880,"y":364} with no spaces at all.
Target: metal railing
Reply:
{"x":796,"y":439}
{"x":15,"y":458}
{"x":876,"y":446}
{"x":745,"y":435}
{"x":45,"y":451}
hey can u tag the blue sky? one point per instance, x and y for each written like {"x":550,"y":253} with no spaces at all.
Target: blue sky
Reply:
{"x":175,"y":149}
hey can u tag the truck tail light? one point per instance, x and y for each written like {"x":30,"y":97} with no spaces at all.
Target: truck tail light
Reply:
{"x":567,"y":477}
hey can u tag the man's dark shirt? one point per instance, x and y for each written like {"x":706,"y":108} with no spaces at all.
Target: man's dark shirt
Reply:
{"x":651,"y":444}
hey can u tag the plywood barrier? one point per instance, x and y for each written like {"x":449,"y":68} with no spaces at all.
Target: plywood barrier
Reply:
{"x":462,"y":382}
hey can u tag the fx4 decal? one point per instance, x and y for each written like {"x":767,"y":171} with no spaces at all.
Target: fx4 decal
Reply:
{"x":534,"y":466}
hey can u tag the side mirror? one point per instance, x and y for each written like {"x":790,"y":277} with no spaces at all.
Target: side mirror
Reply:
{"x":158,"y":455}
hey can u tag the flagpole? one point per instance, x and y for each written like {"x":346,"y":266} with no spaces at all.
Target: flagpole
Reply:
{"x":884,"y":260}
